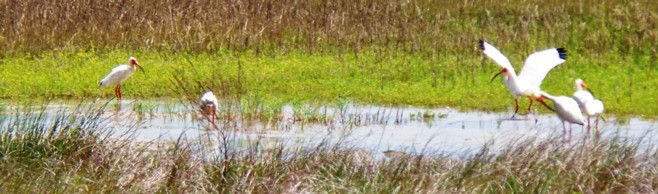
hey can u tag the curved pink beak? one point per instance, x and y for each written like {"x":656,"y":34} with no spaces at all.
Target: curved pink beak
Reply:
{"x":587,"y":88}
{"x":541,"y":100}
{"x":140,"y":67}
{"x":134,"y":62}
{"x":502,"y":71}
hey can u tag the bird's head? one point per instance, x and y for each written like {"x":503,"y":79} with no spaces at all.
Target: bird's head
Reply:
{"x":501,"y":72}
{"x":581,"y":84}
{"x":133,"y":62}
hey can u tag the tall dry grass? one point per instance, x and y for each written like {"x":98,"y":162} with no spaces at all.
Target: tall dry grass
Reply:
{"x":443,"y":27}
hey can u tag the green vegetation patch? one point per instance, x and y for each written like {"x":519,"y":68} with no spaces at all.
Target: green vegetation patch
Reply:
{"x":389,"y":78}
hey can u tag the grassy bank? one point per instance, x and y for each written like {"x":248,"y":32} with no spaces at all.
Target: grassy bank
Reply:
{"x":70,"y":151}
{"x":387,"y":77}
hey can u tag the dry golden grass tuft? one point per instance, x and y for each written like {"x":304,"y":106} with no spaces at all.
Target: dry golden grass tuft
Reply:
{"x":445,"y":27}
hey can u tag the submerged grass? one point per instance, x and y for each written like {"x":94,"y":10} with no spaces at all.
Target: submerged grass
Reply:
{"x":72,"y":151}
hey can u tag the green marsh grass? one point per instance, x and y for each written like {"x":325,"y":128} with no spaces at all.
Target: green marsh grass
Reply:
{"x":322,"y":78}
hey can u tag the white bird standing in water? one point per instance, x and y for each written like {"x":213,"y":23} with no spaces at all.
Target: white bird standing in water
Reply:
{"x":566,"y":108}
{"x":209,"y":106}
{"x":534,"y":71}
{"x":119,"y":74}
{"x":591,"y":106}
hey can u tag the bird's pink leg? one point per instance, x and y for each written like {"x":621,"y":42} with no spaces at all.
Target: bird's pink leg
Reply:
{"x":117,"y":93}
{"x":212,"y":120}
{"x":564,"y":128}
{"x":530,"y":106}
{"x":588,"y":125}
{"x":597,"y":123}
{"x":214,"y":114}
{"x":516,"y":107}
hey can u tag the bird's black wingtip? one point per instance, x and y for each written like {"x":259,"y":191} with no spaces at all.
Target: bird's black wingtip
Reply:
{"x":481,"y":43}
{"x":562,"y":52}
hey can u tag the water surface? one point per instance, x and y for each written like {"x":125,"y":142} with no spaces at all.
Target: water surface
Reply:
{"x":367,"y":127}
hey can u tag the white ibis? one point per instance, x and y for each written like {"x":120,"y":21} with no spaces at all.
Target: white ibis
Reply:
{"x":119,"y":74}
{"x":208,"y":105}
{"x":566,"y":108}
{"x":534,"y":70}
{"x":591,"y":106}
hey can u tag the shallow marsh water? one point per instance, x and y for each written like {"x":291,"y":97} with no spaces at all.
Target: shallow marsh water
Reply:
{"x":364,"y":127}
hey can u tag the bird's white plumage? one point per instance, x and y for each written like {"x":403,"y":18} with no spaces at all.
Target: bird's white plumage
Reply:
{"x":591,"y":106}
{"x":502,"y":61}
{"x":594,"y":108}
{"x":209,"y":99}
{"x":534,"y":69}
{"x":209,"y":108}
{"x":582,"y":96}
{"x":493,"y":53}
{"x":538,"y":64}
{"x":566,"y":108}
{"x":118,"y":75}
{"x":533,"y":73}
